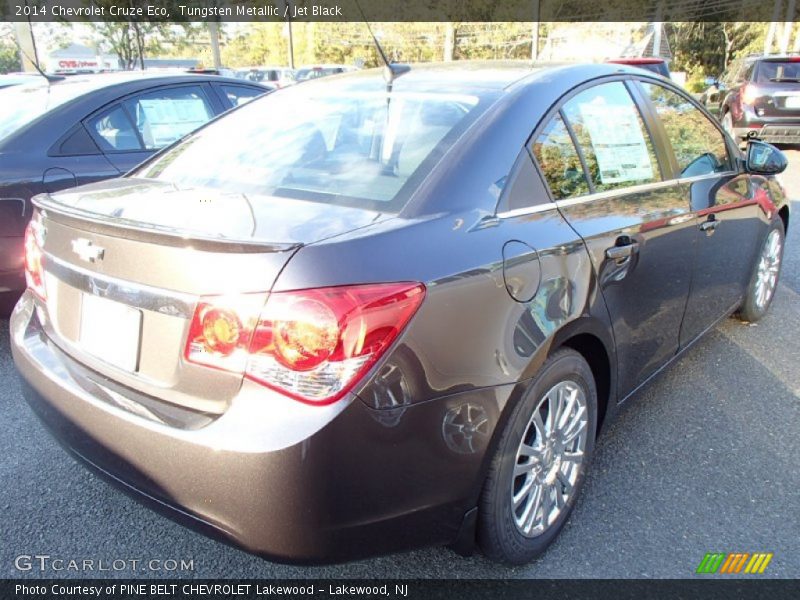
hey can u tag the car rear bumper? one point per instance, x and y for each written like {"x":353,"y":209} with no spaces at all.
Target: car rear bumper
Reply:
{"x":775,"y":130}
{"x":368,"y":482}
{"x":774,"y":134}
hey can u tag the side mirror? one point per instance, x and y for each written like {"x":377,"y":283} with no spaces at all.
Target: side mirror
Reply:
{"x":764,"y":159}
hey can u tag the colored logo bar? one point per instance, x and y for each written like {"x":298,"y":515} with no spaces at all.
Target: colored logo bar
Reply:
{"x":734,"y":563}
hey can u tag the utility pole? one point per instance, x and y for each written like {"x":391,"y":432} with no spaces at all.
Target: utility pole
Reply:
{"x":291,"y":43}
{"x":27,"y":45}
{"x":535,"y":32}
{"x":449,"y":41}
{"x":213,"y":30}
{"x":773,"y":26}
{"x":787,"y":27}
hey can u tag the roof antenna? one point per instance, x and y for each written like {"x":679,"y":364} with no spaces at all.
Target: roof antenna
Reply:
{"x":392,"y":70}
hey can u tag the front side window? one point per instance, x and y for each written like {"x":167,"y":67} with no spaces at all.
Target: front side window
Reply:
{"x":612,"y":137}
{"x":321,"y":143}
{"x":559,"y":161}
{"x":165,"y":116}
{"x":699,"y":146}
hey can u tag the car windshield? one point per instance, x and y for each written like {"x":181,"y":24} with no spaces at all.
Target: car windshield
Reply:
{"x":322,"y":144}
{"x":23,"y":104}
{"x":770,"y":70}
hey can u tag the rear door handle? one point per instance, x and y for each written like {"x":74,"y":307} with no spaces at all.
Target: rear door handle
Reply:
{"x":621,"y":252}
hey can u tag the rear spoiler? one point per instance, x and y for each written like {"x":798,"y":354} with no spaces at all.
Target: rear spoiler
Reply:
{"x":146,"y":232}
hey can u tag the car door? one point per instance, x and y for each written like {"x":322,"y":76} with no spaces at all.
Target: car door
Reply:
{"x":635,"y":223}
{"x":133,"y":129}
{"x":724,"y":204}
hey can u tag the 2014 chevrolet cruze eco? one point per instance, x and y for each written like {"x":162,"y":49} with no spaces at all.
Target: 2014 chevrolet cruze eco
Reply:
{"x":345,"y":320}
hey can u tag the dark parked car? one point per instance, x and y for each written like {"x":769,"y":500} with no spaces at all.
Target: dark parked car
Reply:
{"x":648,"y":63}
{"x":341,"y":321}
{"x":759,"y":97}
{"x":87,"y":128}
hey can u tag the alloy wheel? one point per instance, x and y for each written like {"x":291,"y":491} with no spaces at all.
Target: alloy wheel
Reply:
{"x":549,"y":458}
{"x":768,"y":268}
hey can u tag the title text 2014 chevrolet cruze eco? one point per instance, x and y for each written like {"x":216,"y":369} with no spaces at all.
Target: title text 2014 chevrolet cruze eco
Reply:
{"x":350,"y":318}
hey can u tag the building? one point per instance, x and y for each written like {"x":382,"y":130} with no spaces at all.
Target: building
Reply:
{"x":77,"y":58}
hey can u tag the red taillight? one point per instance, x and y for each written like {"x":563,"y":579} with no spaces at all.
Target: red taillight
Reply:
{"x":311,"y":345}
{"x":221,"y":329}
{"x":34,"y":260}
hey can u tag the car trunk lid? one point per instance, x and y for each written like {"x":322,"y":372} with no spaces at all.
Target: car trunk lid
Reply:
{"x":127,"y":261}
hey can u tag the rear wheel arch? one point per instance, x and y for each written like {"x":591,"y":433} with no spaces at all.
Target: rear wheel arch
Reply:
{"x":595,"y":353}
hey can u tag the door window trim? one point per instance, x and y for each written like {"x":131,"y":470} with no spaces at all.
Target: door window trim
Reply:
{"x":556,"y":109}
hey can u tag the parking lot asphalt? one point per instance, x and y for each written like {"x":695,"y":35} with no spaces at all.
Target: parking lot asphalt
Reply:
{"x":705,"y":459}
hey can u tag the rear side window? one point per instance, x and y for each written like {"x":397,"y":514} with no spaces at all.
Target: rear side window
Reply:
{"x":559,"y":161}
{"x":165,"y":116}
{"x":699,"y":146}
{"x":612,"y":137}
{"x":239,"y":94}
{"x":115,"y":132}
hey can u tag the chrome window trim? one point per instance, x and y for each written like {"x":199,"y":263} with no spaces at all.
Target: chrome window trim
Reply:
{"x":527,"y":210}
{"x":135,"y":295}
{"x":654,"y":185}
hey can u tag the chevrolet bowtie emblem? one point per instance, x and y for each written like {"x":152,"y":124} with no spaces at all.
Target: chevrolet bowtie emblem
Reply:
{"x":87,"y":251}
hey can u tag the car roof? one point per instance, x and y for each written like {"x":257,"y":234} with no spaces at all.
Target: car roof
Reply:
{"x":84,"y":84}
{"x":482,"y":76}
{"x":636,"y":60}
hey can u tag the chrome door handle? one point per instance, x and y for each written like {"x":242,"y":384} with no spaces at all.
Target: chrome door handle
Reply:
{"x":709,"y":225}
{"x":620,"y":252}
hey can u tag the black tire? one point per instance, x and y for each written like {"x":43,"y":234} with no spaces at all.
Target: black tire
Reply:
{"x":498,"y":535}
{"x":751,"y":310}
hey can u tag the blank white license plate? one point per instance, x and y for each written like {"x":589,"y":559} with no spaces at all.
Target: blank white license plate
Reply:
{"x":111,"y":331}
{"x":792,"y":102}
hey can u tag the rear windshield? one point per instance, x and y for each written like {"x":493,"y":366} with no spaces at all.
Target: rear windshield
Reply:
{"x":777,"y":71}
{"x":363,"y":149}
{"x":22,"y":104}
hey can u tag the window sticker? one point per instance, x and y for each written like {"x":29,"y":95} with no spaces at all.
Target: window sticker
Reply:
{"x":617,"y":141}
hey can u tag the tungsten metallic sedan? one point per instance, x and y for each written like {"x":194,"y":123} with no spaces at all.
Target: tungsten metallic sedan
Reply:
{"x":369,"y":313}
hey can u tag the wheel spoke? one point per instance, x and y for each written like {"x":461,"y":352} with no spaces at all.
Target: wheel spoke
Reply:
{"x":529,"y":518}
{"x":547,"y":506}
{"x":539,"y":424}
{"x":559,"y":494}
{"x":524,"y":468}
{"x":564,"y":480}
{"x":523,"y":492}
{"x":575,"y":426}
{"x":575,"y":458}
{"x":566,"y":407}
{"x":530,"y":451}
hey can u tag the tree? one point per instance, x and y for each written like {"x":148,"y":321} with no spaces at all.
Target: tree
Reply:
{"x":9,"y":53}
